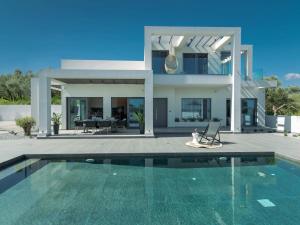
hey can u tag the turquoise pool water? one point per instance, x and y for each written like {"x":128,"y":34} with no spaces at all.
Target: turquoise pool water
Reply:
{"x":188,"y":190}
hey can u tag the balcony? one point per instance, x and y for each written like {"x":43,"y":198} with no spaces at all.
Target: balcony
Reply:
{"x":191,"y":80}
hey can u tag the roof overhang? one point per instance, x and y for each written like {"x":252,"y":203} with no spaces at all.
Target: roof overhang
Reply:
{"x":96,"y":74}
{"x":260,"y":83}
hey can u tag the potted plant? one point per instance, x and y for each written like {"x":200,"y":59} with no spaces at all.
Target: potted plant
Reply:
{"x":26,"y":123}
{"x":140,"y":118}
{"x":56,"y":119}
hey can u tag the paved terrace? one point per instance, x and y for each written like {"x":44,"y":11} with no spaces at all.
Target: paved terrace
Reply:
{"x":262,"y":142}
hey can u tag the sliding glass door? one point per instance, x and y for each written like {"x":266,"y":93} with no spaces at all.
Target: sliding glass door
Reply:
{"x":249,"y":112}
{"x":76,"y":110}
{"x":134,"y":105}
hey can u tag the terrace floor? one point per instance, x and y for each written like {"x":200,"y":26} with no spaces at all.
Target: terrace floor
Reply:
{"x":232,"y":143}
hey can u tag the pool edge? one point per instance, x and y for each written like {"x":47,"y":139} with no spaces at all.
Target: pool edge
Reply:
{"x":14,"y":160}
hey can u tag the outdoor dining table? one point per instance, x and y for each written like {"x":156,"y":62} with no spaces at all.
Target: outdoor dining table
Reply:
{"x":90,"y":123}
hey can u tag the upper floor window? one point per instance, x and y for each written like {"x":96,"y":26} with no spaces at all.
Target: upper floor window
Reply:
{"x":195,"y":63}
{"x":158,"y":61}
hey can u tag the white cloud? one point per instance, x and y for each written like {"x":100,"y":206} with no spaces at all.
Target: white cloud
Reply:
{"x":292,"y":76}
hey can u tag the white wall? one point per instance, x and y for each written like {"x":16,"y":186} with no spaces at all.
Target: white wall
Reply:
{"x":102,"y":65}
{"x":13,"y":112}
{"x":218,"y":97}
{"x":291,"y":123}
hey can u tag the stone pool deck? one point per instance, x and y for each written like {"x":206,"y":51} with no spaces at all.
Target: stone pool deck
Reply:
{"x":233,"y":143}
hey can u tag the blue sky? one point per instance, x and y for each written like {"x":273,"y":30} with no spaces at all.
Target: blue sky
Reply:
{"x":36,"y":34}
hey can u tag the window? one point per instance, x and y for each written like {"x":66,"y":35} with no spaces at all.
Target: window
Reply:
{"x":195,"y":63}
{"x":196,"y":108}
{"x":158,"y":61}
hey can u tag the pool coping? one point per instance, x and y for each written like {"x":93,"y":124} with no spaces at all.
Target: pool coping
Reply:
{"x":286,"y":157}
{"x":19,"y":158}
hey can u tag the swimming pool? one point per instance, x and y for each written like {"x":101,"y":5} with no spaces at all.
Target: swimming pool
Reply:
{"x":151,"y":190}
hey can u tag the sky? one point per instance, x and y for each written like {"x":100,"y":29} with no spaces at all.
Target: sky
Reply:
{"x":37,"y":34}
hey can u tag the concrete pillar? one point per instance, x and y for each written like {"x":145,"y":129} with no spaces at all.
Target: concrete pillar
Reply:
{"x":35,"y":99}
{"x":44,"y":106}
{"x":149,"y":104}
{"x":249,"y":63}
{"x":106,"y":107}
{"x":236,"y":83}
{"x":147,"y":50}
{"x":63,"y":109}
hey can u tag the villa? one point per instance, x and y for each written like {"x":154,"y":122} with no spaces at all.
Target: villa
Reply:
{"x":190,"y":75}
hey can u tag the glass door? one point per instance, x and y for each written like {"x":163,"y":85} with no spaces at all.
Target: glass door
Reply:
{"x":228,"y":112}
{"x":134,"y":105}
{"x":249,"y":112}
{"x":76,"y":110}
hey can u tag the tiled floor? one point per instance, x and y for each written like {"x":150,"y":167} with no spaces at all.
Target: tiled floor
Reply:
{"x":264,"y":142}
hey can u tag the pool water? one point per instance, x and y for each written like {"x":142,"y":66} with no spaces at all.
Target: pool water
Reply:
{"x":160,"y":190}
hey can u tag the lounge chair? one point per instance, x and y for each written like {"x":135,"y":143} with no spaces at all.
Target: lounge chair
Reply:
{"x":212,"y":133}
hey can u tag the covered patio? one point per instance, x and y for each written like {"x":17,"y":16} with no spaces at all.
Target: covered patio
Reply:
{"x":101,"y":96}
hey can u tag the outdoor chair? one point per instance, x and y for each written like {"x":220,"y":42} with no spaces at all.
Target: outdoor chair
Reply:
{"x":78,"y":125}
{"x":105,"y":125}
{"x":88,"y":124}
{"x":121,"y":123}
{"x":212,"y":133}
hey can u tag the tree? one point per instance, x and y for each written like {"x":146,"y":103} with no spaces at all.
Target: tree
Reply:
{"x":278,"y":100}
{"x":294,"y":89}
{"x":15,"y":89}
{"x":16,"y":86}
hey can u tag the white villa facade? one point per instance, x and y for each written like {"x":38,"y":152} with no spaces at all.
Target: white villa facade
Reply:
{"x":190,"y":75}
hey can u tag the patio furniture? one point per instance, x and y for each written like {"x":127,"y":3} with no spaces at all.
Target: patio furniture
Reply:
{"x":105,"y":125}
{"x":78,"y":124}
{"x":88,"y":124}
{"x":211,"y":133}
{"x":121,"y":123}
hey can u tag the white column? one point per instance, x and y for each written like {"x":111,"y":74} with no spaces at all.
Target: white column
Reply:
{"x":106,"y":107}
{"x":35,"y":99}
{"x":44,"y":106}
{"x":149,"y":104}
{"x":147,"y":50}
{"x":63,"y":108}
{"x":236,"y":83}
{"x":249,"y":62}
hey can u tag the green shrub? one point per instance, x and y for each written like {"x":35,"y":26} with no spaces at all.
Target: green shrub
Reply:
{"x":4,"y":101}
{"x":26,"y":123}
{"x":56,"y":100}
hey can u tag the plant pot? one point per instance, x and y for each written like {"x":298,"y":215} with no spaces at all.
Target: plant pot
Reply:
{"x":142,"y":128}
{"x":55,"y":128}
{"x":27,"y":131}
